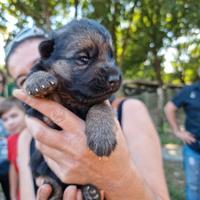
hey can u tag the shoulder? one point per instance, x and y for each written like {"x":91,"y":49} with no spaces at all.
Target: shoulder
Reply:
{"x":135,"y":112}
{"x":133,"y":105}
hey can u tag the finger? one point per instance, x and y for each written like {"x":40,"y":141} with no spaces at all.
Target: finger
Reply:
{"x":79,"y":195}
{"x":49,"y":152}
{"x":187,"y":141}
{"x":190,"y":138}
{"x":56,"y":112}
{"x":39,"y":181}
{"x":55,"y":167}
{"x":43,"y":133}
{"x":55,"y":154}
{"x":102,"y":194}
{"x":70,"y":193}
{"x":44,"y":192}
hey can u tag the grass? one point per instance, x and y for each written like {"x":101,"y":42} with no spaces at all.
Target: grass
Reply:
{"x":173,"y":170}
{"x":175,"y":180}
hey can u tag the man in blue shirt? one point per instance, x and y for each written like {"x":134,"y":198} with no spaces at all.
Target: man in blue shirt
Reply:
{"x":189,"y":99}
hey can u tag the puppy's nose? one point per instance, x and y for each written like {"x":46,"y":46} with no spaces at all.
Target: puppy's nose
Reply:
{"x":114,"y":80}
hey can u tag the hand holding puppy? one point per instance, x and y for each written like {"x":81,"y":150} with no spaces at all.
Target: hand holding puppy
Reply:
{"x":66,"y":152}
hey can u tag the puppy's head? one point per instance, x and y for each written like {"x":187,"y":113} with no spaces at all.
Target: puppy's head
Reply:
{"x":81,"y":55}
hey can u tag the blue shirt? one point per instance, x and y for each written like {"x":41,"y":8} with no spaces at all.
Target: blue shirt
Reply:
{"x":3,"y":132}
{"x":189,"y":99}
{"x":4,"y":164}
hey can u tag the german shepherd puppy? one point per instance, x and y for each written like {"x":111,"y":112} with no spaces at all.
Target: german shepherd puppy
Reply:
{"x":77,"y":69}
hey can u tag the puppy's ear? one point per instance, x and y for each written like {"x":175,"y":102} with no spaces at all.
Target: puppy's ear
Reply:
{"x":46,"y":48}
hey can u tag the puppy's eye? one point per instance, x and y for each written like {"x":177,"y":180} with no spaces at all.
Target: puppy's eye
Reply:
{"x":83,"y":60}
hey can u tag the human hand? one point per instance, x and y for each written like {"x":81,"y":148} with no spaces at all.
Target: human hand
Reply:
{"x":66,"y":151}
{"x":185,"y":136}
{"x":70,"y":193}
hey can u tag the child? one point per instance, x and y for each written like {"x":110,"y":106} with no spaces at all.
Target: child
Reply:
{"x":12,"y":115}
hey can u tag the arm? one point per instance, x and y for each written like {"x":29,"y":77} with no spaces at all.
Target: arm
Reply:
{"x":66,"y":153}
{"x":25,"y":176}
{"x":170,"y":111}
{"x":13,"y":181}
{"x":143,"y":142}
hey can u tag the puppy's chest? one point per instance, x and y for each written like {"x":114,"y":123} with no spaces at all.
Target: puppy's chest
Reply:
{"x":69,"y":103}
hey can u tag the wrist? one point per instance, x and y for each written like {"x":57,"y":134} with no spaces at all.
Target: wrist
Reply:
{"x":176,"y":131}
{"x":128,"y":186}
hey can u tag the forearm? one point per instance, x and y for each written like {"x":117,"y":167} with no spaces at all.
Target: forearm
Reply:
{"x":25,"y":175}
{"x":170,"y":112}
{"x":26,"y":186}
{"x":13,"y":179}
{"x":130,"y":186}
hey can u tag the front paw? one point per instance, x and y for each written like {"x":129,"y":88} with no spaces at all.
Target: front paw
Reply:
{"x":100,"y":130}
{"x":102,"y":145}
{"x":90,"y":192}
{"x":40,"y":84}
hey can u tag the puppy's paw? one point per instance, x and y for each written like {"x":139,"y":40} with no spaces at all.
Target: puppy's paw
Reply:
{"x":100,"y":130}
{"x":40,"y":84}
{"x":90,"y":192}
{"x":56,"y":188}
{"x":102,"y":145}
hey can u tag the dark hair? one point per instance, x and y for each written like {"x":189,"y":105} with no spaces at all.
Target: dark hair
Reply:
{"x":9,"y":103}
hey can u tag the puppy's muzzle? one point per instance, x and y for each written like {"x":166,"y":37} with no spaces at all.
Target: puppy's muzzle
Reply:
{"x":113,"y":77}
{"x":114,"y":80}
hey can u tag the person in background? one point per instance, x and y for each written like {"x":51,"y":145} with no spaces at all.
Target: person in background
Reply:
{"x":188,"y":99}
{"x":2,"y":83}
{"x":19,"y":61}
{"x":12,"y":114}
{"x":4,"y":164}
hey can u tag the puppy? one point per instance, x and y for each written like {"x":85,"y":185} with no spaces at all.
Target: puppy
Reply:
{"x":78,"y":70}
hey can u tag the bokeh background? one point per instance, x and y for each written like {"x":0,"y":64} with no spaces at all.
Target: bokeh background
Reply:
{"x":157,"y":47}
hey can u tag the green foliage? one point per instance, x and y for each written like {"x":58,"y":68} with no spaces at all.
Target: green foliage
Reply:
{"x":142,"y":31}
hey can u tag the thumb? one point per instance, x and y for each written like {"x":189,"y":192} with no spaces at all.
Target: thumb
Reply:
{"x":44,"y":192}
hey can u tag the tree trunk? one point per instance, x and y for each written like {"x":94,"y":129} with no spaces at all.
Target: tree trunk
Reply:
{"x":114,"y":37}
{"x":157,"y":67}
{"x":76,"y":8}
{"x":160,"y":92}
{"x":46,"y":14}
{"x":127,"y":35}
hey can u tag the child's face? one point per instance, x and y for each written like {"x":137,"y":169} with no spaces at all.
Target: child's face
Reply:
{"x":14,"y":120}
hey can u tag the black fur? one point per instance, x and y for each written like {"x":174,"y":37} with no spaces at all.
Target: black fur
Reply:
{"x":77,"y":69}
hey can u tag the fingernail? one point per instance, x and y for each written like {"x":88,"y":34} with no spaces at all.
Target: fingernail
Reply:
{"x":46,"y":188}
{"x":74,"y":187}
{"x":16,"y":92}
